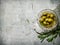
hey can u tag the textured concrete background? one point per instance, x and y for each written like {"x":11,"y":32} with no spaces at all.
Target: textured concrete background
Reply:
{"x":15,"y":29}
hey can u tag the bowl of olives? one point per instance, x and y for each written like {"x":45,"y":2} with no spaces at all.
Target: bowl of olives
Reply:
{"x":47,"y":19}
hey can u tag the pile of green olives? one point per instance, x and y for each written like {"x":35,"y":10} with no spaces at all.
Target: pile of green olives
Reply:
{"x":47,"y":19}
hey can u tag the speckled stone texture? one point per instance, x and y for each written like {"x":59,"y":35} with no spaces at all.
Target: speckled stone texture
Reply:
{"x":18,"y":20}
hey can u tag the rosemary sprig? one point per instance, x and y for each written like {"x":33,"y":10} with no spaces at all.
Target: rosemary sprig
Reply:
{"x":49,"y":36}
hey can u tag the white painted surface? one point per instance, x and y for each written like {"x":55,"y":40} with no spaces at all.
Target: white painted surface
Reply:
{"x":15,"y":28}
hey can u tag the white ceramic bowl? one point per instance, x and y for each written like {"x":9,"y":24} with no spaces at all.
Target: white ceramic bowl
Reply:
{"x":44,"y":28}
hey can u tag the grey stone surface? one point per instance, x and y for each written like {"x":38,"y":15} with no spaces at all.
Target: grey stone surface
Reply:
{"x":14,"y":25}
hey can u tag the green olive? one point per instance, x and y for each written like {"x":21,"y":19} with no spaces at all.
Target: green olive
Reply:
{"x":45,"y":13}
{"x":49,"y":20}
{"x":46,"y":19}
{"x":43,"y":17}
{"x":40,"y":19}
{"x":47,"y":23}
{"x":48,"y":15}
{"x":51,"y":15}
{"x":54,"y":22}
{"x":44,"y":22}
